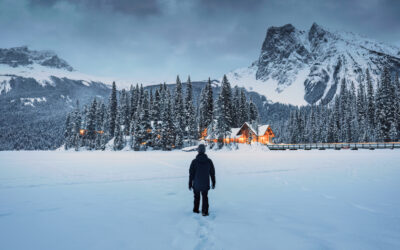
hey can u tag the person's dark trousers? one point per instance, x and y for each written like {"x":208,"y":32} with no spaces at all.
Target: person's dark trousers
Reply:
{"x":204,"y":205}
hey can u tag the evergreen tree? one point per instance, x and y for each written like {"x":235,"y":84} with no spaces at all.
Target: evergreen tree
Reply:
{"x":236,"y":107}
{"x":190,"y":116}
{"x":133,"y":101}
{"x":68,"y":132}
{"x":393,"y":132}
{"x":385,"y":102}
{"x":396,"y":83}
{"x":179,"y":109}
{"x":253,"y":112}
{"x":125,"y":110}
{"x":224,"y":111}
{"x":243,"y":114}
{"x":157,"y":105}
{"x":119,"y":141}
{"x":113,"y":109}
{"x":91,"y":125}
{"x":206,"y":106}
{"x":370,"y":103}
{"x":77,"y":127}
{"x":138,"y":134}
{"x":354,"y":126}
{"x":167,"y":129}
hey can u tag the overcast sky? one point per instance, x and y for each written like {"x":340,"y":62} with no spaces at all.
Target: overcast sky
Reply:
{"x":154,"y":40}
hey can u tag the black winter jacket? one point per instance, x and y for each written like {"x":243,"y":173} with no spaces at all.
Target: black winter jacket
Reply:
{"x":201,"y":169}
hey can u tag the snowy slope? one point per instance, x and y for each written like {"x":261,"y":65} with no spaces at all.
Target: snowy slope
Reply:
{"x":301,"y":67}
{"x":44,"y":67}
{"x":140,"y":200}
{"x":37,"y":89}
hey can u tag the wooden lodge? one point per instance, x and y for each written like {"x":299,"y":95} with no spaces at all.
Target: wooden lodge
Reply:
{"x":245,"y":134}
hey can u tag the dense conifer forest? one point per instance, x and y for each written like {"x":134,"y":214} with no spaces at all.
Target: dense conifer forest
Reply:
{"x":166,"y":119}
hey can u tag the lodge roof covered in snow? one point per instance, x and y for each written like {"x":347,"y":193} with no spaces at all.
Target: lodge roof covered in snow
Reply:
{"x":236,"y":132}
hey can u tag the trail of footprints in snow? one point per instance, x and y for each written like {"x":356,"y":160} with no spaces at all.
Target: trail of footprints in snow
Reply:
{"x":205,"y":231}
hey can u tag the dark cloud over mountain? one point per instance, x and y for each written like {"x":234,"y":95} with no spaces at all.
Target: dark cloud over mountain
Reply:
{"x":153,"y":40}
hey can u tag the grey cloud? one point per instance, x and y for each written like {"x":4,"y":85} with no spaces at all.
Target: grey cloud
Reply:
{"x":130,"y":7}
{"x":157,"y":39}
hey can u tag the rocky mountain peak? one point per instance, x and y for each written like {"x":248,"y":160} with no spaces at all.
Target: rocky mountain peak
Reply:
{"x":301,"y":67}
{"x":23,"y":56}
{"x":317,"y":35}
{"x":283,"y":45}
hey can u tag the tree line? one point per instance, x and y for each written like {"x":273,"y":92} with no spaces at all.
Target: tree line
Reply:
{"x":160,"y":120}
{"x":362,"y":115}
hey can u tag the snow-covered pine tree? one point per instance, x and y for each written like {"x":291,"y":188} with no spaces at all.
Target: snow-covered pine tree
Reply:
{"x":310,"y":126}
{"x":393,"y":135}
{"x":113,"y":109}
{"x":370,"y":104}
{"x":396,"y":83}
{"x":206,"y":108}
{"x":119,"y":141}
{"x":362,"y":112}
{"x":331,"y":129}
{"x":156,"y":132}
{"x":145,"y":120}
{"x":354,"y":126}
{"x":243,"y":114}
{"x":157,"y":105}
{"x":190,"y":115}
{"x":77,"y":127}
{"x":224,"y":111}
{"x":90,"y":135}
{"x":167,"y":129}
{"x":67,"y":132}
{"x":133,"y":101}
{"x":226,"y":98}
{"x":236,"y":107}
{"x":179,"y":115}
{"x":292,"y":127}
{"x":137,"y":131}
{"x":253,"y":112}
{"x":125,"y":110}
{"x":151,"y":104}
{"x":386,"y":110}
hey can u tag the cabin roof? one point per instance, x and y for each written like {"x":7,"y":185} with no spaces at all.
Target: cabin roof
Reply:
{"x":262,"y":129}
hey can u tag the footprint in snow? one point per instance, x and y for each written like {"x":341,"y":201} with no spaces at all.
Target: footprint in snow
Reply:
{"x":205,"y":232}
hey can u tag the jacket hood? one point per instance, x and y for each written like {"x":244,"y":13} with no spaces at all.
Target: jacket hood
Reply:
{"x":202,"y":157}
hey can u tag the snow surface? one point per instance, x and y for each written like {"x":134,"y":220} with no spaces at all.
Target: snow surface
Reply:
{"x":139,"y":200}
{"x":31,"y":100}
{"x":43,"y":75}
{"x":271,"y":89}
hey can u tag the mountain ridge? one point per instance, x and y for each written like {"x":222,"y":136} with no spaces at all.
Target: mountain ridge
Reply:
{"x":310,"y":64}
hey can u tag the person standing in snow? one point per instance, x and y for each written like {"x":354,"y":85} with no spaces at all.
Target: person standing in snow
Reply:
{"x":201,"y":169}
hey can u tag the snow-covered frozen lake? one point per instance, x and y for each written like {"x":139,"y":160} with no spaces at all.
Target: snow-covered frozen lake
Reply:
{"x":140,"y":200}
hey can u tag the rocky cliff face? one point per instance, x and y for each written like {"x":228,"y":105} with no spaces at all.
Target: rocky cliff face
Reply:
{"x":296,"y":65}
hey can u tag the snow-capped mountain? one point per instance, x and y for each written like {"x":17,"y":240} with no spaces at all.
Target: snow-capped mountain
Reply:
{"x":306,"y":67}
{"x":37,"y":89}
{"x":45,"y":67}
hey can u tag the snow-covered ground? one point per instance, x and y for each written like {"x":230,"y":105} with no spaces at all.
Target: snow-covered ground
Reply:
{"x":140,"y":200}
